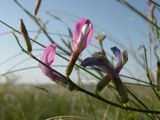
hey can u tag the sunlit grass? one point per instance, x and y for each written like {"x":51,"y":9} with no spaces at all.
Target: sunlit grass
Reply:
{"x":27,"y":102}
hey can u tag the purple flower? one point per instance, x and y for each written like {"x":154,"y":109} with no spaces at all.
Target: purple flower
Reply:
{"x":48,"y":58}
{"x":99,"y":60}
{"x":122,"y":58}
{"x":82,"y":34}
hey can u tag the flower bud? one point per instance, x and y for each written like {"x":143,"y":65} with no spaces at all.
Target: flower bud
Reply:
{"x":25,"y":36}
{"x":101,"y":37}
{"x":82,"y":34}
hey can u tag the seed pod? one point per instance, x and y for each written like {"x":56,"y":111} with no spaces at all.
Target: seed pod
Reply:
{"x":38,"y":3}
{"x":25,"y":36}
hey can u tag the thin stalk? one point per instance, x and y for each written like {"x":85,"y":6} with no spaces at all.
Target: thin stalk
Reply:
{"x":147,"y":70}
{"x":85,"y":91}
{"x":67,"y":118}
{"x":106,"y":111}
{"x":65,"y":58}
{"x":38,"y":43}
{"x":138,"y":80}
{"x":125,"y":3}
{"x":141,"y":85}
{"x":155,"y":3}
{"x":88,"y":99}
{"x":10,"y":58}
{"x":140,"y":102}
{"x":41,"y":27}
{"x":89,"y":93}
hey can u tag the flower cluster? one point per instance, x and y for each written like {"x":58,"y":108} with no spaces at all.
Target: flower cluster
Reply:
{"x":82,"y":34}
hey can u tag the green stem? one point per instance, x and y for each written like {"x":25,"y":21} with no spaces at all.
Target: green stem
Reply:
{"x":155,"y":3}
{"x":124,"y":2}
{"x":87,"y":92}
{"x":94,"y":95}
{"x":147,"y":70}
{"x":41,"y":27}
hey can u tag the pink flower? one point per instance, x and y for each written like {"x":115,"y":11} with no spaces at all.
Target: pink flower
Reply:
{"x":151,"y":8}
{"x":48,"y":58}
{"x":82,"y":34}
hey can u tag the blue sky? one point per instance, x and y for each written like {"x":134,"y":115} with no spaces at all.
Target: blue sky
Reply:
{"x":108,"y":16}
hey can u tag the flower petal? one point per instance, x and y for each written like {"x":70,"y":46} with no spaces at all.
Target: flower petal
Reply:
{"x":58,"y":79}
{"x":121,"y":88}
{"x":121,"y":57}
{"x":99,"y":61}
{"x":124,"y":57}
{"x":82,"y":34}
{"x":102,"y":83}
{"x":48,"y":58}
{"x":89,"y":33}
{"x":116,"y":51}
{"x":77,"y":32}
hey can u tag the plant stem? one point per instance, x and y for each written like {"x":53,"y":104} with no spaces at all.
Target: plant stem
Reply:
{"x":148,"y":74}
{"x":124,"y":2}
{"x":89,"y":93}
